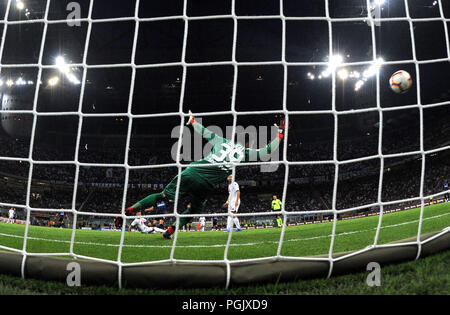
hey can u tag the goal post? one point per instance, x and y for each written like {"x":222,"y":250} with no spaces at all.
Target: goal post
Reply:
{"x":225,"y":272}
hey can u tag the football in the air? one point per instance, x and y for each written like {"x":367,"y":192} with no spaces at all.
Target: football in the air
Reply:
{"x":400,"y":82}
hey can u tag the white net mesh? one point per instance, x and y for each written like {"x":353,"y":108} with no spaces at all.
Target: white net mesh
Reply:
{"x":422,"y":198}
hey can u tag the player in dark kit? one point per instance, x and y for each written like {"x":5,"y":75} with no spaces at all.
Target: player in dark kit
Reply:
{"x":197,"y":182}
{"x":61,"y":218}
{"x":446,"y":195}
{"x":118,"y":223}
{"x":214,"y":223}
{"x":161,"y":208}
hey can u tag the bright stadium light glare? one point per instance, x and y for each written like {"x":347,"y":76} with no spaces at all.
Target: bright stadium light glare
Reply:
{"x":326,"y":73}
{"x":60,"y":61}
{"x":20,"y":81}
{"x":358,"y":85}
{"x":335,"y":61}
{"x":53,"y":81}
{"x":1,"y":82}
{"x":343,"y":74}
{"x":369,"y":72}
{"x":62,"y":65}
{"x":72,"y":78}
{"x":64,"y":68}
{"x":373,"y":69}
{"x":377,"y":3}
{"x":10,"y":83}
{"x":20,"y":5}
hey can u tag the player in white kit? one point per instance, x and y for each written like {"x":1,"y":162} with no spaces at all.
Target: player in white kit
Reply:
{"x":11,"y":215}
{"x":233,"y":203}
{"x":143,"y":225}
{"x":202,"y":223}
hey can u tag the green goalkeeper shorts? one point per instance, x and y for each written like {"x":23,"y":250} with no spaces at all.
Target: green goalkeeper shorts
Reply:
{"x":192,"y":186}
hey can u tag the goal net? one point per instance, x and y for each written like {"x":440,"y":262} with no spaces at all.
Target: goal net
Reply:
{"x":95,"y":101}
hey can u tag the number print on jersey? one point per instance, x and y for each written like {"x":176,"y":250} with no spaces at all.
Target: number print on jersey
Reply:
{"x":230,"y":153}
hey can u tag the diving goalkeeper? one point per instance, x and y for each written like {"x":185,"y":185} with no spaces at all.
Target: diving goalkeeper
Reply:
{"x":198,"y":182}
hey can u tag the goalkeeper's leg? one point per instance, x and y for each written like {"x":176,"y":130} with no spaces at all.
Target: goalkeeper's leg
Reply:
{"x":197,"y":205}
{"x":167,"y":194}
{"x":147,"y":202}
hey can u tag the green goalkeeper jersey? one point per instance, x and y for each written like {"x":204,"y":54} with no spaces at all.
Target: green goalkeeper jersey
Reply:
{"x":224,"y":152}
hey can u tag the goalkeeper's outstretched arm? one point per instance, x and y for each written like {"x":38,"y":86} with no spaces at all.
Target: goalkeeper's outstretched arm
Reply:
{"x":257,"y":154}
{"x":205,"y":132}
{"x":250,"y":154}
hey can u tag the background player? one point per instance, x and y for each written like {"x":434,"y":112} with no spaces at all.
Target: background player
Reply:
{"x":279,"y":221}
{"x":143,"y":226}
{"x":161,"y":208}
{"x":11,"y":215}
{"x":233,"y":203}
{"x":447,"y":194}
{"x":276,"y":206}
{"x":118,"y":223}
{"x":61,"y":217}
{"x":214,"y":223}
{"x":202,"y":223}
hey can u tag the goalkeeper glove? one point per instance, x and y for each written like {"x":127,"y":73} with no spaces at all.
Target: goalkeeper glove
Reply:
{"x":281,"y":129}
{"x":191,"y":120}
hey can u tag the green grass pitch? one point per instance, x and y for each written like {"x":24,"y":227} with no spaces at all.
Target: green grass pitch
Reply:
{"x":299,"y":241}
{"x":430,"y":275}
